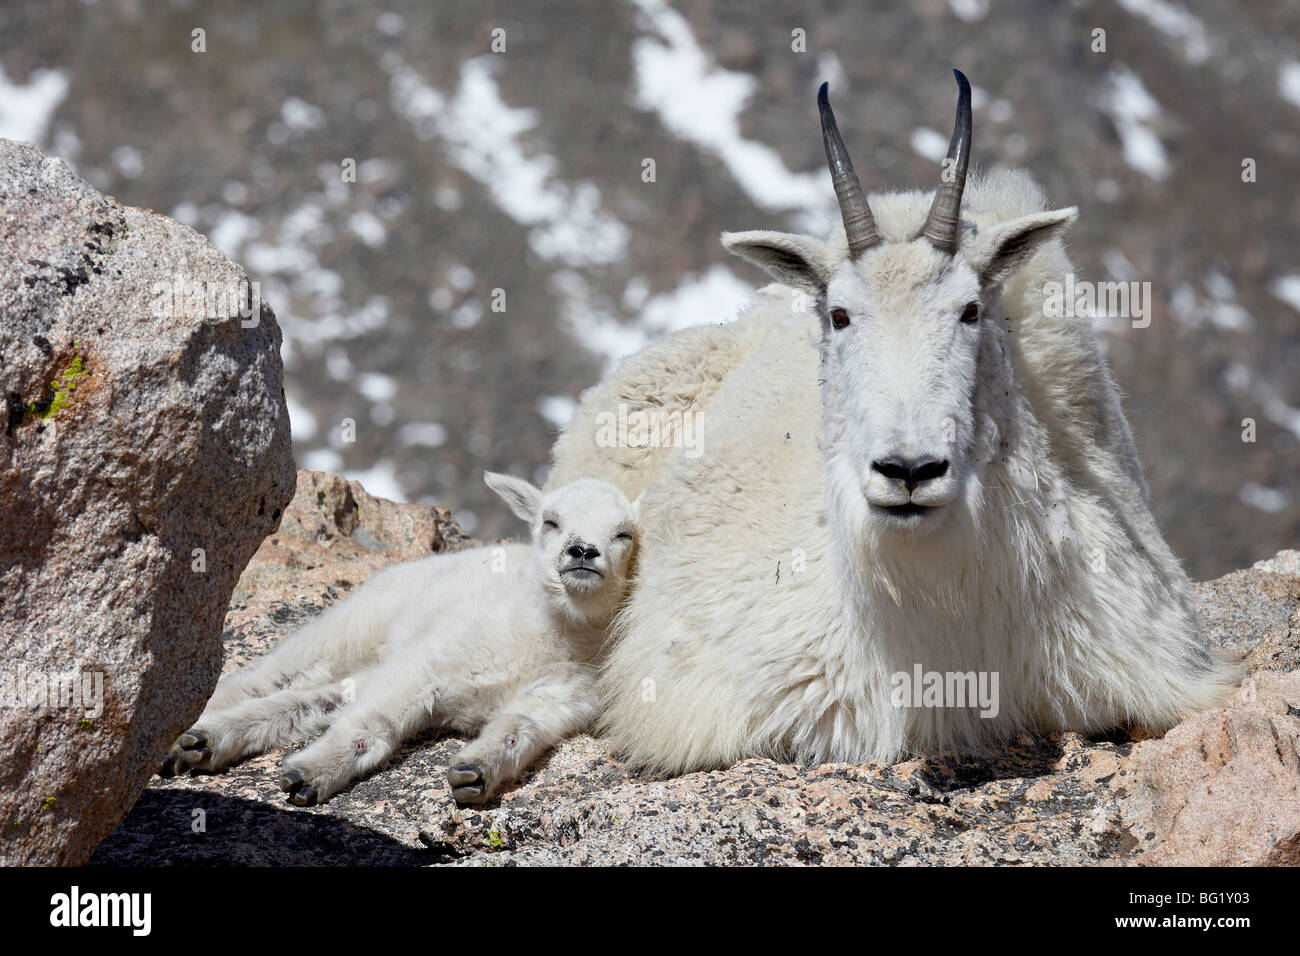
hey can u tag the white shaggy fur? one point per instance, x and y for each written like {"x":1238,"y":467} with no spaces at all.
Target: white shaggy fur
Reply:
{"x":494,"y":641}
{"x":777,"y":594}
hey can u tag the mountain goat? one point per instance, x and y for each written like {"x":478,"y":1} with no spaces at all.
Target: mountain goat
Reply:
{"x":494,"y":641}
{"x":909,"y":472}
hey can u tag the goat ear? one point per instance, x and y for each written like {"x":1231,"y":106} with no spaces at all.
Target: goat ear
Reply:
{"x":524,"y":499}
{"x":799,"y":261}
{"x":1009,"y":245}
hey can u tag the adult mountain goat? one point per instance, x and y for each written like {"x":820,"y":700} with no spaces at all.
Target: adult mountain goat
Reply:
{"x":907,"y":468}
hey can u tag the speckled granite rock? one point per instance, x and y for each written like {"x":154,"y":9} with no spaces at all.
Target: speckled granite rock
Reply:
{"x":145,"y":454}
{"x":1256,"y":612}
{"x":1284,"y":562}
{"x":1223,"y":788}
{"x":1060,"y":799}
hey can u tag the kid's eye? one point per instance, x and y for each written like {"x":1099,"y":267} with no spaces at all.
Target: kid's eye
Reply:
{"x":549,"y":525}
{"x":624,"y":536}
{"x":839,"y":318}
{"x":971,"y":313}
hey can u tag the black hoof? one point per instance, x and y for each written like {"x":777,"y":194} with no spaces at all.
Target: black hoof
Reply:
{"x":168,"y":768}
{"x":464,"y":774}
{"x":196,"y":756}
{"x":294,"y":784}
{"x":467,"y":784}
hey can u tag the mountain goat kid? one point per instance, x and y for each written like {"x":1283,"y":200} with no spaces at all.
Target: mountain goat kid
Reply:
{"x":494,"y":641}
{"x":912,"y":477}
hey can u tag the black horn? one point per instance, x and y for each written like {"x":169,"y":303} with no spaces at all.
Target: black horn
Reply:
{"x":941,"y":224}
{"x":859,"y":225}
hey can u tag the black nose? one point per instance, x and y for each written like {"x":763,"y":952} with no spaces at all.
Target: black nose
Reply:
{"x":583,"y":552}
{"x":911,"y":473}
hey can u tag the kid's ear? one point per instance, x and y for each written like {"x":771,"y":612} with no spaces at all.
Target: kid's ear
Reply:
{"x":799,"y":261}
{"x":524,"y":499}
{"x":1009,"y":245}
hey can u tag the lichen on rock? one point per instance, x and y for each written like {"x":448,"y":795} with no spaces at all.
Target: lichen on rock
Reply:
{"x":60,"y":391}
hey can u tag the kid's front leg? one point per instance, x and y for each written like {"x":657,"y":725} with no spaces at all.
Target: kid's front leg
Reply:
{"x":558,"y":703}
{"x":221,"y":738}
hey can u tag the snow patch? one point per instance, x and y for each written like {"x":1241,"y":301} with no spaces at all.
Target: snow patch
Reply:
{"x":1240,"y":380}
{"x":322,"y":459}
{"x":377,"y":387}
{"x":300,"y":116}
{"x":711,"y":298}
{"x":1287,"y":288}
{"x":1288,"y":82}
{"x":557,"y":409}
{"x":368,"y":227}
{"x":930,"y":143}
{"x":422,"y":435}
{"x":1270,"y":500}
{"x":1134,"y":112}
{"x":1174,"y":21}
{"x":969,"y":10}
{"x":302,"y":423}
{"x":482,"y":136}
{"x":700,"y":102}
{"x":26,"y":110}
{"x":381,"y":481}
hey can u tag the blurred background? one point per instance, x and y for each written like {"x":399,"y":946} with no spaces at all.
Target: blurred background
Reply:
{"x":517,"y":177}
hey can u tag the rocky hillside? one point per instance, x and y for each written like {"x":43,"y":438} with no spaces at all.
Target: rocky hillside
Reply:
{"x":503,"y":236}
{"x":1222,"y":788}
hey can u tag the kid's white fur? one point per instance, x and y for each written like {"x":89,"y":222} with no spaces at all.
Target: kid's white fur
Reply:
{"x":494,"y":641}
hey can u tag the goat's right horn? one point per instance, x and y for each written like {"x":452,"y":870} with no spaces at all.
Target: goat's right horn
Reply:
{"x":859,"y":224}
{"x":941,"y":223}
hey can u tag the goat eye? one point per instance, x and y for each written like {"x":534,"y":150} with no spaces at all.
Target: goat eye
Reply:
{"x":839,"y":318}
{"x":624,"y":536}
{"x":550,"y":525}
{"x":971,"y":313}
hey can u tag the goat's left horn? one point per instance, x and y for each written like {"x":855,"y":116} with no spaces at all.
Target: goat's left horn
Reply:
{"x":859,"y":224}
{"x":941,"y":223}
